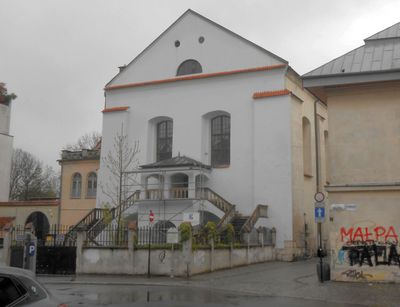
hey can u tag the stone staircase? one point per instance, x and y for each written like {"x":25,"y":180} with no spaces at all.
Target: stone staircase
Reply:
{"x":98,"y":219}
{"x":240,"y":223}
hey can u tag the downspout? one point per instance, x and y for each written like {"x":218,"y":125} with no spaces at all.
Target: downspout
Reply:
{"x":316,"y":131}
{"x":316,"y":125}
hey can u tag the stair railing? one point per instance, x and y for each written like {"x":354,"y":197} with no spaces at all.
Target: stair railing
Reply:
{"x":214,"y":198}
{"x":227,"y":218}
{"x":259,"y":211}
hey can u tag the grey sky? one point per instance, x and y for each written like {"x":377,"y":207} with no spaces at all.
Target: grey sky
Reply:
{"x":57,"y":55}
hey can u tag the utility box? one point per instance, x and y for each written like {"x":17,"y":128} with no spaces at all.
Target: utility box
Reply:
{"x":326,"y":272}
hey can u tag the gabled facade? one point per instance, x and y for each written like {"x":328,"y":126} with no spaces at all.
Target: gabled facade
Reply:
{"x":362,"y":90}
{"x":223,"y":126}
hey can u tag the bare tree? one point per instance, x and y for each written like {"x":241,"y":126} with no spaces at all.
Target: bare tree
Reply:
{"x":120,"y":159}
{"x":86,"y":141}
{"x":28,"y":179}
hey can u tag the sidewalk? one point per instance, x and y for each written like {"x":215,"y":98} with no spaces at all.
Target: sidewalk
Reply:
{"x":278,"y":279}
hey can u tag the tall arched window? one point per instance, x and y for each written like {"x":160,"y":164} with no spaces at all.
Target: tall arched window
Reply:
{"x":189,"y":67}
{"x":91,"y":185}
{"x":221,"y":141}
{"x":164,"y":140}
{"x":76,"y":186}
{"x":307,"y":159}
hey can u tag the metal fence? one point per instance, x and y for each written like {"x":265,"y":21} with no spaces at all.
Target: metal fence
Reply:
{"x":53,"y":235}
{"x":111,"y":236}
{"x":117,"y":236}
{"x":153,"y":234}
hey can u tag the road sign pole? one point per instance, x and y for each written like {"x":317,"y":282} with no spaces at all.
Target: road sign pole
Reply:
{"x":320,"y":251}
{"x":148,"y":259}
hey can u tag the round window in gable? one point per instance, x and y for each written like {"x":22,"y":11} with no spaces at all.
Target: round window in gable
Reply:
{"x":177,"y":43}
{"x":201,"y":39}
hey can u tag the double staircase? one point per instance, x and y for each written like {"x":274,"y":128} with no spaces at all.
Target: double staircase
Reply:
{"x":98,"y":219}
{"x":240,"y":223}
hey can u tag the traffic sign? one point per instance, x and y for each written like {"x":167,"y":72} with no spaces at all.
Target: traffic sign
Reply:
{"x":31,"y":249}
{"x":319,"y":197}
{"x":319,"y":214}
{"x":151,"y":217}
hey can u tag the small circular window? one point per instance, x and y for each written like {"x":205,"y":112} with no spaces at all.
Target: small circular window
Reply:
{"x":177,"y":43}
{"x":201,"y":39}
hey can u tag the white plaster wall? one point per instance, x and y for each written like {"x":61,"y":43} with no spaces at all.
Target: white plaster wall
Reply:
{"x":186,"y":102}
{"x":221,"y":51}
{"x":112,"y":123}
{"x":252,"y":177}
{"x":5,"y":112}
{"x":272,"y":163}
{"x":6,"y":150}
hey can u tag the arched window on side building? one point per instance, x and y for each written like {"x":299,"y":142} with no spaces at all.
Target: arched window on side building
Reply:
{"x":76,"y":186}
{"x":91,"y":185}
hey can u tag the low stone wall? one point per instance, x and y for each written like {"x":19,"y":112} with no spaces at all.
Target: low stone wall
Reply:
{"x":182,"y":262}
{"x":1,"y":256}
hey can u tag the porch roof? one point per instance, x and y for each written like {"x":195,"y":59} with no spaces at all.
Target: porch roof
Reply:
{"x":178,"y":161}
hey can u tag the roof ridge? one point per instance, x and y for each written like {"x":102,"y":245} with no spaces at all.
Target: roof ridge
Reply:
{"x":376,"y":35}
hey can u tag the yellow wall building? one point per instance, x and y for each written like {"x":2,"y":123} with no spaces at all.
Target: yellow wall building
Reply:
{"x":362,"y":90}
{"x":78,"y":184}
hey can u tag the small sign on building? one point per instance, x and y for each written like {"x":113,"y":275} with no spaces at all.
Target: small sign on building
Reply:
{"x":172,"y":235}
{"x":192,"y":217}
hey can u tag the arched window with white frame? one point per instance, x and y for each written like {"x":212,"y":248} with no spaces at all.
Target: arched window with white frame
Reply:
{"x":76,"y":186}
{"x":91,"y":185}
{"x":164,"y":140}
{"x":220,"y":141}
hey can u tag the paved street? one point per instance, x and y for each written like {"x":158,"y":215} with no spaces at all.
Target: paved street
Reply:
{"x":267,"y":284}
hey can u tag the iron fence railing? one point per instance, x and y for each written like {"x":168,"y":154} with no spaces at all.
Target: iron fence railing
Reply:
{"x":113,"y":235}
{"x":52,"y":235}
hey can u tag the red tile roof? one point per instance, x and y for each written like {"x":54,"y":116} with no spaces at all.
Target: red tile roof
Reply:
{"x":115,"y":109}
{"x":4,"y":220}
{"x":266,"y":94}
{"x":194,"y":77}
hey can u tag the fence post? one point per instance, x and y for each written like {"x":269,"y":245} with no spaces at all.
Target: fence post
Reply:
{"x":132,"y":234}
{"x":230,"y":255}
{"x":273,"y":235}
{"x":212,"y":255}
{"x":7,"y":245}
{"x":187,"y":255}
{"x":248,"y":250}
{"x":80,"y":240}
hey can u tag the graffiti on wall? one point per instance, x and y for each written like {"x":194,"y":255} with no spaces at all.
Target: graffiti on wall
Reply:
{"x":364,"y":246}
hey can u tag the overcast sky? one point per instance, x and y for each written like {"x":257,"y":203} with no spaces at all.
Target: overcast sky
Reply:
{"x":57,"y":55}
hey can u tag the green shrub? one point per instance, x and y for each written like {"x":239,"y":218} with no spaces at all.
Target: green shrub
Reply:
{"x":185,"y":230}
{"x":230,"y":234}
{"x":210,"y":231}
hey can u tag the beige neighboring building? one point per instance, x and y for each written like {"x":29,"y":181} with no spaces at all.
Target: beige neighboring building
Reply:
{"x":362,"y":90}
{"x":78,"y":184}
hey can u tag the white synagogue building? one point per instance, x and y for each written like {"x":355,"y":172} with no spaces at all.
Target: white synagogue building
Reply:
{"x":226,"y":132}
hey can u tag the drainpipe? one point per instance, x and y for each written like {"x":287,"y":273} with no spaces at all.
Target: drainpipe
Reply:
{"x":316,"y":130}
{"x":316,"y":125}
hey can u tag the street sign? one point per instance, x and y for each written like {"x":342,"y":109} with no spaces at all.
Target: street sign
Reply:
{"x":319,"y":213}
{"x":319,"y":197}
{"x":31,"y":249}
{"x":151,"y":217}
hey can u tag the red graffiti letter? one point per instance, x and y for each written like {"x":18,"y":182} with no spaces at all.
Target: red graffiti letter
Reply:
{"x":367,"y":234}
{"x":344,"y":234}
{"x":379,"y":232}
{"x":391,"y":233}
{"x":358,"y":233}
